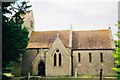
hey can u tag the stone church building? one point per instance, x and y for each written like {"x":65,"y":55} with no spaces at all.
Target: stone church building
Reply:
{"x":66,"y":52}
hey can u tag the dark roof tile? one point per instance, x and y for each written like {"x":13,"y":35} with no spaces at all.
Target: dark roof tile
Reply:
{"x":88,"y":39}
{"x":92,"y":39}
{"x":44,"y":39}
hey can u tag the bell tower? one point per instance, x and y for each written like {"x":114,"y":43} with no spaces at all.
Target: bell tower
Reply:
{"x":29,"y":24}
{"x":29,"y":21}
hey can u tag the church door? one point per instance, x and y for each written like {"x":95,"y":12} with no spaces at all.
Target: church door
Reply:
{"x":41,"y":69}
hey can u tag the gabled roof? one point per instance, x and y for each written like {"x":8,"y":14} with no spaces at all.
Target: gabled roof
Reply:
{"x":92,"y":39}
{"x":44,"y":39}
{"x":88,"y":39}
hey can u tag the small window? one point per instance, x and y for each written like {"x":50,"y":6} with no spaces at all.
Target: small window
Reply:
{"x":101,"y":57}
{"x":57,"y":50}
{"x":55,"y":59}
{"x":78,"y":57}
{"x":90,"y":57}
{"x":60,"y":59}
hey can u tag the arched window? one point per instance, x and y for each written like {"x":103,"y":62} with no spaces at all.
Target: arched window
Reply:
{"x":55,"y":59}
{"x":90,"y":57}
{"x":78,"y":57}
{"x":101,"y":57}
{"x":60,"y":59}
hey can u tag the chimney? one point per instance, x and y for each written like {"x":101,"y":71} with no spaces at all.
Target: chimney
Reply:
{"x":109,"y":27}
{"x":70,"y":37}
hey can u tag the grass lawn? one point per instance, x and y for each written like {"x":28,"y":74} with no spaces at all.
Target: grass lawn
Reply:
{"x":64,"y":78}
{"x":72,"y":78}
{"x":8,"y":74}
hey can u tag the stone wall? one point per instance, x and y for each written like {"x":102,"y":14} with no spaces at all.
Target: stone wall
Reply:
{"x":84,"y":67}
{"x":27,"y":59}
{"x":31,"y":59}
{"x":65,"y":68}
{"x":41,"y":56}
{"x":16,"y":70}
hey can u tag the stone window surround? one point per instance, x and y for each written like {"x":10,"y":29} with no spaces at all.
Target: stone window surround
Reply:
{"x":79,"y":57}
{"x":90,"y":57}
{"x":101,"y":57}
{"x":57,"y":52}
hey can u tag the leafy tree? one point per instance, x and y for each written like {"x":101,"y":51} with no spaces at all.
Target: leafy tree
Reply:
{"x":117,"y":52}
{"x":14,"y":36}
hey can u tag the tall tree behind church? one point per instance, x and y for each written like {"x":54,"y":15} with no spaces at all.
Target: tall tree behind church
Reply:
{"x":14,"y":36}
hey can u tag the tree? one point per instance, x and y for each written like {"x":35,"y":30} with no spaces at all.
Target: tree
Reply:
{"x":14,"y":36}
{"x":117,"y":52}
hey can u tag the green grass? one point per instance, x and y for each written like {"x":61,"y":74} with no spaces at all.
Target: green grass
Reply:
{"x":8,"y":74}
{"x":72,"y":79}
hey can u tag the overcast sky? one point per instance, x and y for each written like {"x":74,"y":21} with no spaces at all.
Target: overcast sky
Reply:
{"x":81,"y":15}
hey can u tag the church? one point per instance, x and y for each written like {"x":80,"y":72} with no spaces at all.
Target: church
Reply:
{"x":66,"y":52}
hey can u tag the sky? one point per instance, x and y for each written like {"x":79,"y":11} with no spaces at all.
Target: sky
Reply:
{"x":78,"y":14}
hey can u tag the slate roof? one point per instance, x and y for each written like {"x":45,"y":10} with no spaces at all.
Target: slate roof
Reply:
{"x":92,"y":39}
{"x":88,"y":39}
{"x":44,"y":39}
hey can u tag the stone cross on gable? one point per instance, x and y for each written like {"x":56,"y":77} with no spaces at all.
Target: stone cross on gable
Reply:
{"x":71,"y":27}
{"x":57,"y":35}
